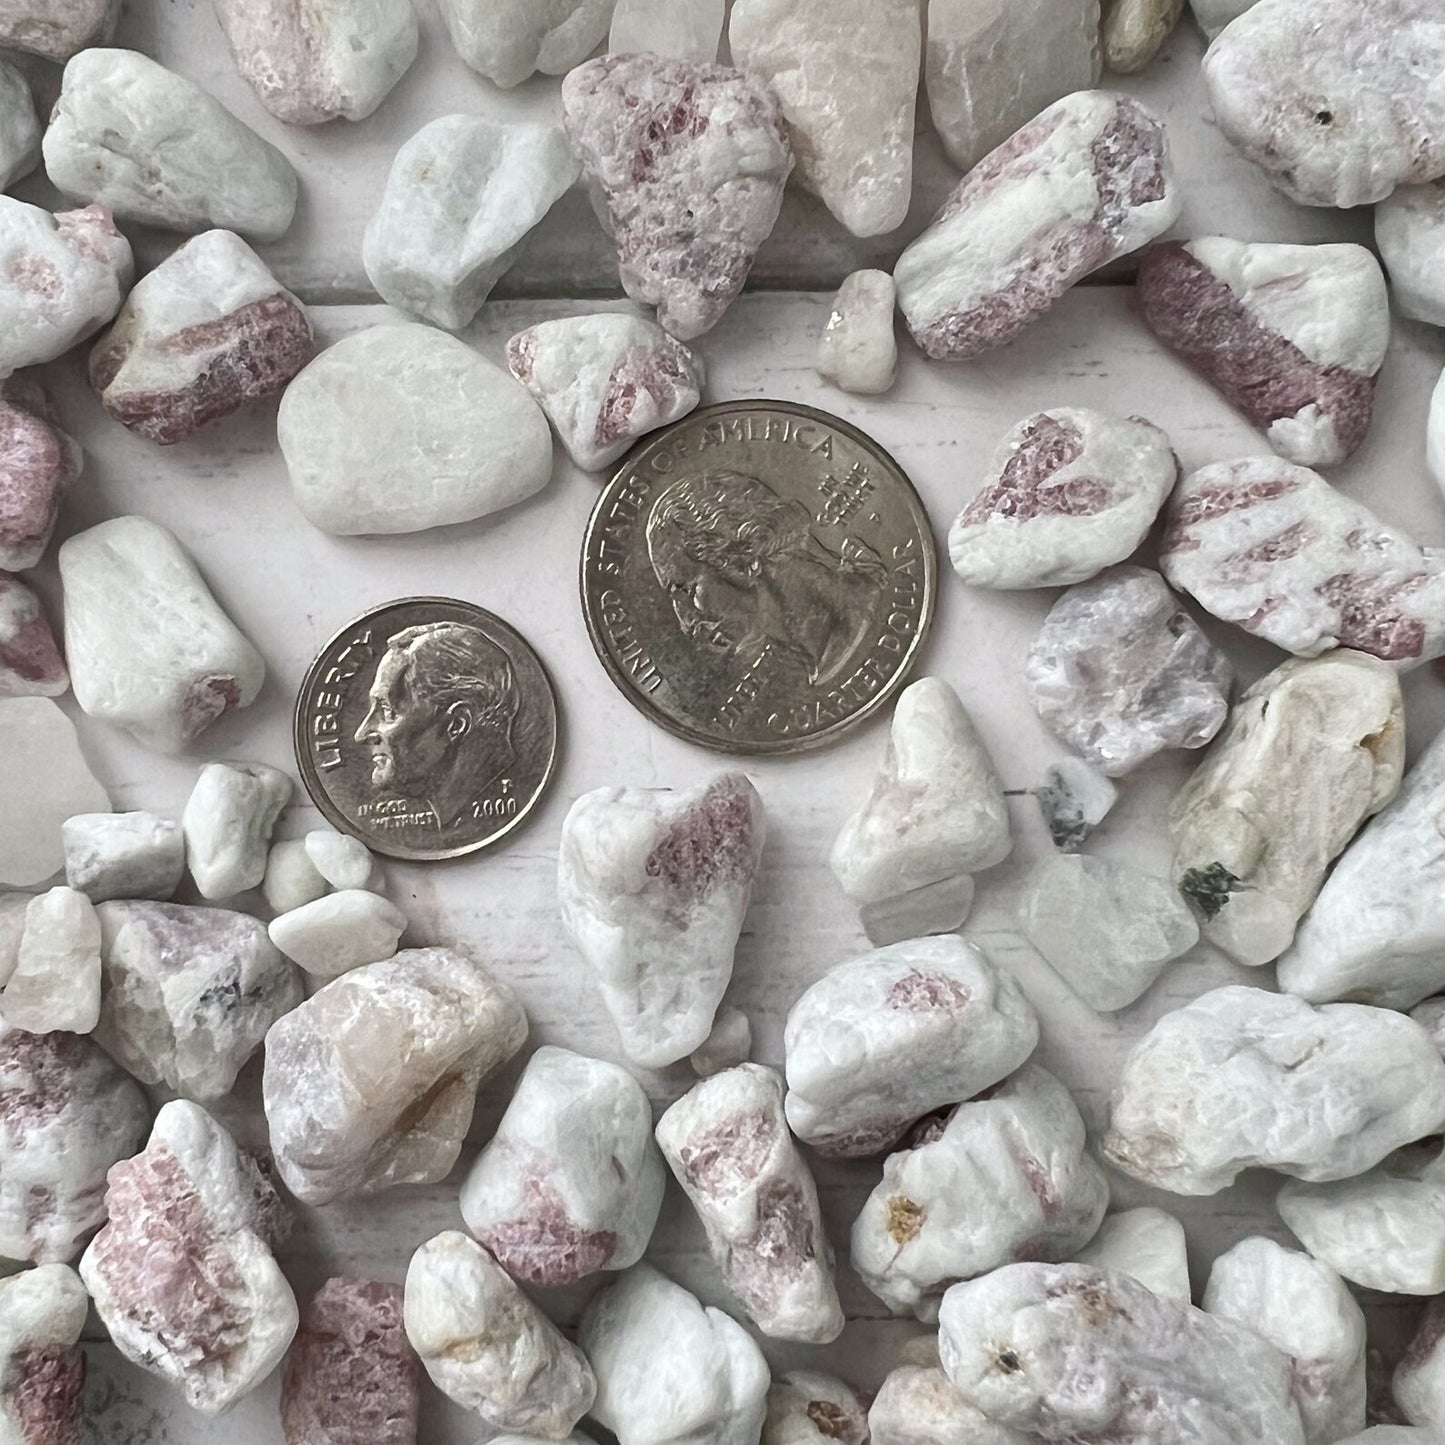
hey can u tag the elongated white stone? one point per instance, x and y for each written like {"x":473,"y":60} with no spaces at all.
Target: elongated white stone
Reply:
{"x":1311,"y":750}
{"x":487,"y":1346}
{"x":807,"y":1408}
{"x":919,"y":1405}
{"x":30,"y":661}
{"x":312,"y":63}
{"x":227,"y":824}
{"x":339,"y":859}
{"x":1243,"y":1079}
{"x":188,"y":993}
{"x":729,"y":1044}
{"x":462,"y":195}
{"x":1418,"y":1384}
{"x":19,"y":127}
{"x":149,"y":648}
{"x":604,"y":380}
{"x":508,"y":40}
{"x":1410,"y":233}
{"x":56,"y":982}
{"x":56,"y":29}
{"x":158,"y":149}
{"x":1134,"y":31}
{"x":1092,"y":1357}
{"x":42,"y":1368}
{"x":123,"y":855}
{"x":727,"y":1143}
{"x":1300,"y":1306}
{"x":342,"y":931}
{"x":858,"y":351}
{"x":401,"y":428}
{"x":654,"y":887}
{"x":846,"y":75}
{"x":669,"y":1370}
{"x":676,"y":29}
{"x":1074,"y":799}
{"x":1146,"y":1244}
{"x":937,"y":815}
{"x":292,"y":879}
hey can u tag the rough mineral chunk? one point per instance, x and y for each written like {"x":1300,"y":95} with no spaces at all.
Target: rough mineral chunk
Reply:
{"x":56,"y":982}
{"x":401,"y":428}
{"x":62,"y":277}
{"x":149,"y":648}
{"x":1294,"y":336}
{"x":1134,"y":32}
{"x":1106,"y":928}
{"x":1082,"y":1355}
{"x":292,"y":879}
{"x":67,"y":1113}
{"x":19,"y":127}
{"x":123,"y":855}
{"x":37,"y":463}
{"x":669,"y":1370}
{"x":1419,"y":1381}
{"x":339,"y":859}
{"x":1003,"y":1178}
{"x":1384,"y":1230}
{"x":508,"y":40}
{"x":993,"y":66}
{"x":351,"y":1378}
{"x":730,"y":1043}
{"x":183,"y":1276}
{"x":340,"y":932}
{"x":311,"y":63}
{"x":371,"y":1082}
{"x":686,"y":166}
{"x":188,"y":993}
{"x":727,"y":1143}
{"x":1302,"y":1307}
{"x":1410,"y":234}
{"x":858,"y":351}
{"x":1148,"y":1245}
{"x":44,"y":780}
{"x":227,"y":824}
{"x":654,"y":887}
{"x":1079,"y":186}
{"x":1241,"y":1078}
{"x":806,"y":1408}
{"x":884,"y":1039}
{"x":571,"y":1182}
{"x":56,"y":29}
{"x":487,"y":1346}
{"x":1311,"y":750}
{"x":463,"y":194}
{"x":936,"y":816}
{"x":206,"y":333}
{"x":845,"y":73}
{"x":1120,"y":671}
{"x":30,"y":660}
{"x":604,"y":380}
{"x":918,"y":1405}
{"x":678,"y":29}
{"x":1337,"y":105}
{"x":1074,"y":799}
{"x":42,"y":1368}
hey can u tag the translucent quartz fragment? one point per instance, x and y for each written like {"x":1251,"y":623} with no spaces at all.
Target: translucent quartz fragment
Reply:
{"x":19,"y":126}
{"x":1074,"y":799}
{"x":508,"y":40}
{"x":1146,"y":1244}
{"x":807,"y":1408}
{"x":918,"y":1405}
{"x":858,"y":351}
{"x":1134,"y":32}
{"x":1419,"y":1380}
{"x":37,"y":463}
{"x":123,"y":855}
{"x":42,"y":1367}
{"x":227,"y":825}
{"x":730,"y":1043}
{"x":678,"y":29}
{"x":291,"y":879}
{"x":30,"y":660}
{"x":1410,"y":234}
{"x":339,"y":932}
{"x":339,"y":859}
{"x":56,"y":982}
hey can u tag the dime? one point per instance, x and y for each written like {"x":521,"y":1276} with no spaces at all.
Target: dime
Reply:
{"x":758,"y":577}
{"x":426,"y":728}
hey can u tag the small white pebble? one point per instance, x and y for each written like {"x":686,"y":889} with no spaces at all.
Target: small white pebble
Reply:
{"x":56,"y":983}
{"x":291,"y":879}
{"x":858,"y":350}
{"x":123,"y":855}
{"x":228,"y":821}
{"x":343,"y":861}
{"x":342,"y":931}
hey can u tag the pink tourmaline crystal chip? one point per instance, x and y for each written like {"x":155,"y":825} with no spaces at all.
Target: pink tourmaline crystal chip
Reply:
{"x":30,"y":660}
{"x":37,"y":462}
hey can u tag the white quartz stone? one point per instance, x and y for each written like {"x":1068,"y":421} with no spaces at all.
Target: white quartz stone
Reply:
{"x":342,"y":931}
{"x":487,"y":1346}
{"x":149,"y":648}
{"x":341,"y":860}
{"x":937,"y":815}
{"x":56,"y":982}
{"x":1384,"y":1229}
{"x":1214,"y":15}
{"x":571,"y":1182}
{"x":62,"y":277}
{"x":461,"y":198}
{"x":654,"y":888}
{"x":292,"y":879}
{"x":508,"y":40}
{"x":1080,"y":1354}
{"x":1107,"y":929}
{"x":188,"y":993}
{"x":311,"y":63}
{"x":808,"y":1408}
{"x":1410,"y":232}
{"x":19,"y":127}
{"x":42,"y":1370}
{"x":1148,"y":1245}
{"x":1311,"y":750}
{"x":1418,"y":1384}
{"x":1242,"y":1078}
{"x":44,"y":781}
{"x":918,"y":1405}
{"x":678,"y":29}
{"x":669,"y":1370}
{"x":846,"y":75}
{"x":858,"y":351}
{"x":56,"y":29}
{"x":123,"y":855}
{"x":993,"y":65}
{"x":227,"y":824}
{"x":884,"y":1039}
{"x":158,"y":149}
{"x":1003,"y":1176}
{"x":727,"y":1143}
{"x":1074,"y":799}
{"x":730,"y":1043}
{"x":401,"y":428}
{"x":1302,"y":1307}
{"x":1134,"y":31}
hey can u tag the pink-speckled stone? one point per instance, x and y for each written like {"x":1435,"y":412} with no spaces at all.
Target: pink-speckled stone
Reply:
{"x":1294,"y":336}
{"x":1275,"y":549}
{"x":351,"y":1378}
{"x":1079,"y":186}
{"x":37,"y":463}
{"x":42,"y":1368}
{"x":56,"y":29}
{"x":686,"y":166}
{"x":30,"y":660}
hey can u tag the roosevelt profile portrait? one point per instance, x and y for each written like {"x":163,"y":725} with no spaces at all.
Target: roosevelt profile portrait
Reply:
{"x":742,"y":567}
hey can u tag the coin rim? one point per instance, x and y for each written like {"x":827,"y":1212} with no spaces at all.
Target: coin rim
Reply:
{"x":311,"y":781}
{"x":825,"y":736}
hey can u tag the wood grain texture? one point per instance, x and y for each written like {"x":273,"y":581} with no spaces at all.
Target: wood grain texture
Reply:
{"x":226,"y":496}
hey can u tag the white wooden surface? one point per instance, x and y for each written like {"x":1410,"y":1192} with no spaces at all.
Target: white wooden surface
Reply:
{"x":226,"y":496}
